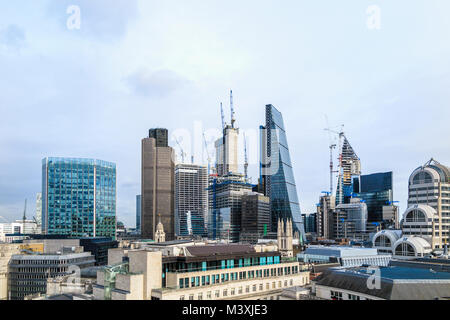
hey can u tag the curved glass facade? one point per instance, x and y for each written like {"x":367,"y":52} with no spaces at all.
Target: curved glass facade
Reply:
{"x":278,"y":174}
{"x":78,"y":197}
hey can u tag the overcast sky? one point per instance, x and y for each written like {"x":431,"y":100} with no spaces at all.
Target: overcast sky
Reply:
{"x":94,"y":92}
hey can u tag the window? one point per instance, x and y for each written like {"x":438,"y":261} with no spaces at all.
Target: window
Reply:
{"x":208,"y":295}
{"x":200,"y":296}
{"x":181,"y":297}
{"x":336,"y":295}
{"x":225,"y":293}
{"x":254,"y":288}
{"x":191,"y":297}
{"x":217,"y":293}
{"x":353,"y":297}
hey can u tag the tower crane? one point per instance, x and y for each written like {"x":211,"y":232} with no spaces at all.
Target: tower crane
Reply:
{"x":183,"y":154}
{"x":332,"y":147}
{"x":246,"y":159}
{"x":207,"y":154}
{"x":223,"y":116}
{"x":233,"y":118}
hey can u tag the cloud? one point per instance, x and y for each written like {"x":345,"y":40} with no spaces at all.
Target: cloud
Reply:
{"x":160,"y":83}
{"x":12,"y":36}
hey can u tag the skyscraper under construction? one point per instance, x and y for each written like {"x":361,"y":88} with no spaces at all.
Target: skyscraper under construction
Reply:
{"x":349,"y":169}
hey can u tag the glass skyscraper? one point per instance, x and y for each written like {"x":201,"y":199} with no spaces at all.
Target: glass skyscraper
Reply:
{"x":277,"y":175}
{"x":377,"y":191}
{"x":78,"y":197}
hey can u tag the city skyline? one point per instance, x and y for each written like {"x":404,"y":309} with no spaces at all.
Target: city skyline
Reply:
{"x":392,"y":96}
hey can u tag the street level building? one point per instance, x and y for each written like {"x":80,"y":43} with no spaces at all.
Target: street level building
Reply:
{"x":344,"y":255}
{"x":393,"y":283}
{"x":211,"y":272}
{"x":28,"y":274}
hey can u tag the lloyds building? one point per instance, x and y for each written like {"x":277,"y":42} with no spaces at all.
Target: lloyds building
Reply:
{"x":277,"y":176}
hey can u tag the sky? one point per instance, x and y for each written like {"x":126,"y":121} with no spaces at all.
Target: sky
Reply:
{"x":88,"y":78}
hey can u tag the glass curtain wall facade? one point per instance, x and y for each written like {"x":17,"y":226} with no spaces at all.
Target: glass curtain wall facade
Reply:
{"x":377,"y":191}
{"x":78,"y":197}
{"x":277,"y":173}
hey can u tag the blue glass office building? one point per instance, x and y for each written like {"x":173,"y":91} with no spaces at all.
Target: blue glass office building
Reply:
{"x":78,"y":197}
{"x":277,"y":174}
{"x":377,"y":191}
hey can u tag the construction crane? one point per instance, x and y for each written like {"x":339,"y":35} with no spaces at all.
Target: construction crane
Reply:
{"x":183,"y":154}
{"x":246,"y":159}
{"x":223,"y":117}
{"x":4,"y":219}
{"x":233,"y":119}
{"x":207,"y":154}
{"x":332,"y":147}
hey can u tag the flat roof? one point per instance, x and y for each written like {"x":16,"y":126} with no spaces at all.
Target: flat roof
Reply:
{"x":397,"y":283}
{"x":403,"y":273}
{"x":220,"y":249}
{"x":340,"y":251}
{"x":168,"y":243}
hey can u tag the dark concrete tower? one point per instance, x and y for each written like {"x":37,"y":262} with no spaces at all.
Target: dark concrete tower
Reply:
{"x":157,"y":184}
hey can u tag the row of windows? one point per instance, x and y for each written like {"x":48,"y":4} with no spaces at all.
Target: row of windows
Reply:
{"x":239,"y":291}
{"x":336,"y":295}
{"x":225,"y":277}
